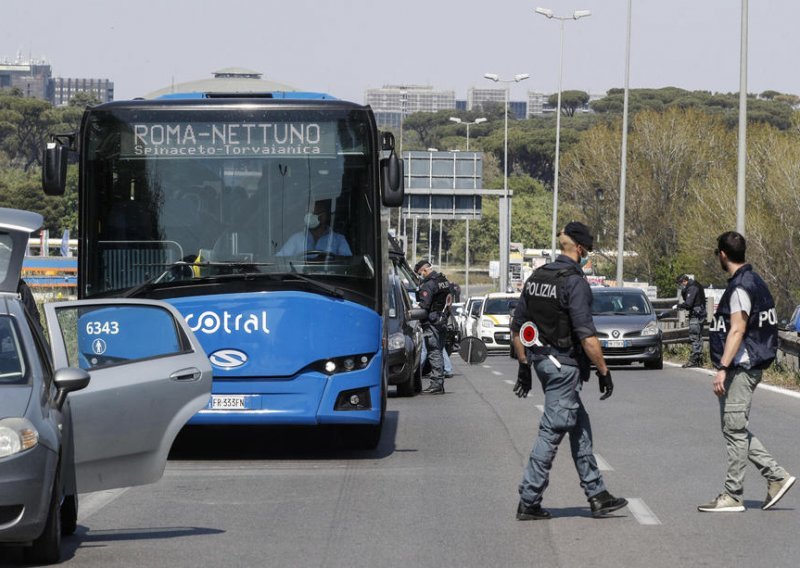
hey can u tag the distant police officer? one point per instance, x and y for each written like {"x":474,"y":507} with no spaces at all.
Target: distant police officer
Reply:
{"x":694,"y":301}
{"x":434,"y":290}
{"x":558,"y":300}
{"x":743,"y":339}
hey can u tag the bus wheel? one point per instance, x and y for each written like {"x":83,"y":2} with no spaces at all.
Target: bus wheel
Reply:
{"x":363,"y":437}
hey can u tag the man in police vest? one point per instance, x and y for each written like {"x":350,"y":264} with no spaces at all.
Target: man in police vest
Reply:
{"x":743,"y":340}
{"x":434,"y":290}
{"x":694,"y":301}
{"x":558,"y":300}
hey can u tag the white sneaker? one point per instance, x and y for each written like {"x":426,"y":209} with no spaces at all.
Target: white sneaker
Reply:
{"x":776,"y":490}
{"x":723,"y":503}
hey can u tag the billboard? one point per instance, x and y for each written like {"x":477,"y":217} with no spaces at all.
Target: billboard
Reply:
{"x":443,"y":185}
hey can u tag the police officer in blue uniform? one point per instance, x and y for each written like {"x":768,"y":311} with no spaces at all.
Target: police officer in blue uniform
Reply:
{"x":558,"y":300}
{"x":434,"y":290}
{"x":743,"y":341}
{"x":694,"y":301}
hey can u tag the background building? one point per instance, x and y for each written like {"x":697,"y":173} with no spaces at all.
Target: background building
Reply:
{"x":34,"y":79}
{"x":476,"y":98}
{"x":392,"y":102}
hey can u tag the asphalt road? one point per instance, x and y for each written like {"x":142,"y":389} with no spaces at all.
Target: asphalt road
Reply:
{"x":440,"y":490}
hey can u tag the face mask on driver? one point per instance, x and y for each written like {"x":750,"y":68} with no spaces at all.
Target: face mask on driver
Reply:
{"x":584,"y":260}
{"x":312,"y":221}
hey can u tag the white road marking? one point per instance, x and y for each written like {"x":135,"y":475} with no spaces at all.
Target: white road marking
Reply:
{"x":602,"y":464}
{"x":90,"y":503}
{"x":509,"y":382}
{"x":772,"y":388}
{"x":642,"y":512}
{"x":498,"y":373}
{"x":486,"y":366}
{"x":540,"y":408}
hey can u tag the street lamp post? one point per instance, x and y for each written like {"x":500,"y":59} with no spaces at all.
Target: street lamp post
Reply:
{"x":504,"y":213}
{"x":467,"y":124}
{"x":576,"y":15}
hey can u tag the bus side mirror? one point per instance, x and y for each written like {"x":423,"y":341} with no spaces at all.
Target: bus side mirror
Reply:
{"x":392,"y":181}
{"x":54,"y":171}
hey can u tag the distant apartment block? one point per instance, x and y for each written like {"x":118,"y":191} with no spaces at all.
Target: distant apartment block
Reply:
{"x":65,"y":89}
{"x":476,"y":98}
{"x":392,"y":102}
{"x":34,"y":79}
{"x":538,"y":105}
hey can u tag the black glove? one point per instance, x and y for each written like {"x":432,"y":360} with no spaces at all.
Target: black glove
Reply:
{"x":524,"y":381}
{"x":606,"y":384}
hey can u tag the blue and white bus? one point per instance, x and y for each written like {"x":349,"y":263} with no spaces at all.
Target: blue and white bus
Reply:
{"x":263,"y":220}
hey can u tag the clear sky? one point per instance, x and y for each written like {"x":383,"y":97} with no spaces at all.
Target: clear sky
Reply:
{"x":346,"y":46}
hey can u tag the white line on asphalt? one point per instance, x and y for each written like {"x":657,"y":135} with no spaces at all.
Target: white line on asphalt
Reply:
{"x":509,"y":382}
{"x":486,"y":366}
{"x":710,"y":373}
{"x":498,"y":373}
{"x":90,"y":503}
{"x":642,"y":512}
{"x":602,"y":464}
{"x":540,"y":408}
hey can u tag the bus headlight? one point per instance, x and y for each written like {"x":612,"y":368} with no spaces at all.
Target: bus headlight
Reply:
{"x":336,"y":365}
{"x":16,"y":435}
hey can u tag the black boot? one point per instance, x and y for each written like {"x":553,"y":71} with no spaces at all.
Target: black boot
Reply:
{"x":532,"y":513}
{"x":604,"y":503}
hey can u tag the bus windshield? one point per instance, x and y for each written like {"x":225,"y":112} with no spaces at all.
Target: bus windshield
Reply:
{"x":175,"y":194}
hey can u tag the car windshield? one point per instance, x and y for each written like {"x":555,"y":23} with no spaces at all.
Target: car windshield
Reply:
{"x":12,"y":364}
{"x":498,"y":306}
{"x":620,"y":303}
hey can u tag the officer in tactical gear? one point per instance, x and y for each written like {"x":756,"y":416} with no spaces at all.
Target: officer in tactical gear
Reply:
{"x":558,"y":300}
{"x":434,"y":290}
{"x":743,"y":341}
{"x":694,"y":301}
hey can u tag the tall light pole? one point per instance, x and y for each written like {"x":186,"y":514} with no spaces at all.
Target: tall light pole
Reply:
{"x":742,"y":157}
{"x":624,"y":158}
{"x":576,"y":15}
{"x":467,"y":124}
{"x":504,"y":212}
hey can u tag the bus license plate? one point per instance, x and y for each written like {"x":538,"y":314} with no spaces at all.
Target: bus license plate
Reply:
{"x":227,"y":402}
{"x":615,"y":343}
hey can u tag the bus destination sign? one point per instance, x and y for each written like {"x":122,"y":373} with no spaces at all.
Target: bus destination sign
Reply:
{"x":228,"y":139}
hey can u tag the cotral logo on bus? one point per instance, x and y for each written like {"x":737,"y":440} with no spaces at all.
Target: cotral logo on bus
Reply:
{"x":228,"y":358}
{"x":210,"y":322}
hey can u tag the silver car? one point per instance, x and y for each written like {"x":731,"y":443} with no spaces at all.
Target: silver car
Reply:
{"x":627,"y":327}
{"x":97,"y":408}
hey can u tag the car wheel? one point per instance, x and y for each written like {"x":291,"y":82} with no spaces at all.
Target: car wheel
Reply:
{"x":418,"y":381}
{"x":406,"y":388}
{"x":655,"y":365}
{"x":47,"y":548}
{"x":69,"y":515}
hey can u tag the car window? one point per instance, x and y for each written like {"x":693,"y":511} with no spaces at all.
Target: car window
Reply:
{"x":42,"y":350}
{"x":620,"y":303}
{"x":496,"y":306}
{"x":101,"y":336}
{"x":12,"y":363}
{"x":393,"y":300}
{"x":6,"y":246}
{"x":475,"y":308}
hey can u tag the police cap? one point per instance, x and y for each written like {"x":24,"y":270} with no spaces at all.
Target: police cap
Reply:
{"x":419,"y":265}
{"x":579,"y":233}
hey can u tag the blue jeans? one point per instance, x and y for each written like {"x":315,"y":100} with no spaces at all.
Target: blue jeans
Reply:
{"x":448,"y":366}
{"x":563,"y":414}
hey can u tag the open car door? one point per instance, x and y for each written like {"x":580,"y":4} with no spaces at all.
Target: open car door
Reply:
{"x":149,"y":375}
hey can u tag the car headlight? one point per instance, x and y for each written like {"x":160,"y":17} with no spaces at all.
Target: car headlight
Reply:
{"x":16,"y":435}
{"x":397,"y":341}
{"x":650,"y":329}
{"x":487,"y":323}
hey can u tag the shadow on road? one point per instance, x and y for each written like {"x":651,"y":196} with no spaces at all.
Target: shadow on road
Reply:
{"x":278,"y":442}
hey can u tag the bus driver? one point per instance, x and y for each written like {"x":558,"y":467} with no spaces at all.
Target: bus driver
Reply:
{"x":317,"y":235}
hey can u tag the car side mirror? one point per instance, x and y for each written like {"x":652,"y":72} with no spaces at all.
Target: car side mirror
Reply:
{"x":67,"y":380}
{"x":417,"y":314}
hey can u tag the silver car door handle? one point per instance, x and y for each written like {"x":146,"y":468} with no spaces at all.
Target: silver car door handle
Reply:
{"x":186,"y":375}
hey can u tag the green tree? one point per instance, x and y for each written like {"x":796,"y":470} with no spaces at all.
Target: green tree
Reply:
{"x":570,"y":101}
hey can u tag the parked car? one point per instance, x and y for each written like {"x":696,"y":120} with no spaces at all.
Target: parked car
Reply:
{"x":472,"y":311}
{"x":405,"y":341}
{"x":97,"y":409}
{"x":627,"y":327}
{"x":493,"y":323}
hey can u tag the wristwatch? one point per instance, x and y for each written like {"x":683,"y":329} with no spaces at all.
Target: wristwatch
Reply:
{"x":723,"y":368}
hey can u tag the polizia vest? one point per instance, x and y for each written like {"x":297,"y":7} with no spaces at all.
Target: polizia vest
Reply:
{"x":542,"y":291}
{"x":761,"y":337}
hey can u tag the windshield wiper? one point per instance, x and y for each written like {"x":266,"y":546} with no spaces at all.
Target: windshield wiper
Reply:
{"x":149,"y":284}
{"x":319,"y":286}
